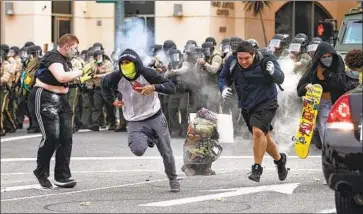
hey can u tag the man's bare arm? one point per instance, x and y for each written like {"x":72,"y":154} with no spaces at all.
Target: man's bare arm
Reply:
{"x":63,"y":77}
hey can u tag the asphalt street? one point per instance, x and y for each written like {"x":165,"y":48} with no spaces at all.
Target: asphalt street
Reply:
{"x":111,"y":179}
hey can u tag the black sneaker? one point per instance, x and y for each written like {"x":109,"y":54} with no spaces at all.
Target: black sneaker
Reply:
{"x":174,"y":186}
{"x":281,"y":167}
{"x":256,"y":172}
{"x":43,"y":181}
{"x":95,"y":128}
{"x":65,"y":183}
{"x":111,"y":127}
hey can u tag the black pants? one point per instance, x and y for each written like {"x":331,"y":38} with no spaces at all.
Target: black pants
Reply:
{"x":97,"y":112}
{"x":178,"y":102}
{"x":54,"y":116}
{"x":261,"y":116}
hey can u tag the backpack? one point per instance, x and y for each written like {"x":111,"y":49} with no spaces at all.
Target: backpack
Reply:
{"x":28,"y":76}
{"x":262,"y":64}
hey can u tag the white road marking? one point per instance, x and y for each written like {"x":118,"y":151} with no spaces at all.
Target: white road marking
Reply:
{"x":284,"y":188}
{"x":80,"y":191}
{"x":142,"y":158}
{"x":8,"y":139}
{"x":328,"y":211}
{"x":16,"y":188}
{"x":96,"y":189}
{"x":86,"y":172}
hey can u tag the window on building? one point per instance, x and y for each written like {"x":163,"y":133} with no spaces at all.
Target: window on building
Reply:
{"x":133,"y":8}
{"x":62,"y":7}
{"x":300,"y":17}
{"x":61,"y":19}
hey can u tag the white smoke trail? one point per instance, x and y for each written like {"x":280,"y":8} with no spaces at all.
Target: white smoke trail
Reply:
{"x":134,"y":35}
{"x":288,"y":113}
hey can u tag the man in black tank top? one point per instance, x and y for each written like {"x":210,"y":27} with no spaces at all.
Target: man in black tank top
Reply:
{"x":48,"y":104}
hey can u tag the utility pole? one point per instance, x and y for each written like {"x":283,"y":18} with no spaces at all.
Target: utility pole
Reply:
{"x":119,"y":20}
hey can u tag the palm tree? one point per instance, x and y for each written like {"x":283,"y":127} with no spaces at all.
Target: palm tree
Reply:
{"x":257,"y":7}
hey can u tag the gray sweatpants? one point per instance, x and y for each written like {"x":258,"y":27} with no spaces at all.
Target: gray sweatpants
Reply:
{"x":324,"y":108}
{"x":139,"y":135}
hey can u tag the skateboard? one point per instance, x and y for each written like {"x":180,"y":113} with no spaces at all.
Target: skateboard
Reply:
{"x":304,"y":133}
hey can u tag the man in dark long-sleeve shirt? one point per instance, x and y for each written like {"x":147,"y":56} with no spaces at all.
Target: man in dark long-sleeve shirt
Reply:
{"x":255,"y":75}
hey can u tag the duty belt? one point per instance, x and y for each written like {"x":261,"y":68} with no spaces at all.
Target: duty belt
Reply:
{"x":73,"y":85}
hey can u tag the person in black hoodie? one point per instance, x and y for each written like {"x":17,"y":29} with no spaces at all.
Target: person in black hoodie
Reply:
{"x":147,"y":125}
{"x":255,"y":75}
{"x":328,"y":70}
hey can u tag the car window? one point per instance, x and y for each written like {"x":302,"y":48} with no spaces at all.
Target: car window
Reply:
{"x":353,"y":32}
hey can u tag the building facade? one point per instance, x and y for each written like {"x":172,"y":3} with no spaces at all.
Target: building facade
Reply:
{"x":44,"y":21}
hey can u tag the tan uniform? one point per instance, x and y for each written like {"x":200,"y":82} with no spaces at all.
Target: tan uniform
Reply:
{"x":103,"y":69}
{"x":209,"y":95}
{"x":12,"y":71}
{"x":73,"y":93}
{"x":7,"y":72}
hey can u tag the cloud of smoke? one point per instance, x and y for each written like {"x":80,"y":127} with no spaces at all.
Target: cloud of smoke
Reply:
{"x":288,"y":114}
{"x":134,"y":35}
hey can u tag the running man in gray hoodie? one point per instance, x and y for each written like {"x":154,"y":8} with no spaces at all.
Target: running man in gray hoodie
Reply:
{"x":147,"y":126}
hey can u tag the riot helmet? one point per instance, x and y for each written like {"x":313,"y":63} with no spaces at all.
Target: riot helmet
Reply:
{"x":235,"y":41}
{"x":35,"y":51}
{"x":175,"y":57}
{"x":5,"y":48}
{"x":28,"y":44}
{"x":296,"y":46}
{"x":254,"y":43}
{"x":278,"y":43}
{"x":190,"y":45}
{"x":24,"y":53}
{"x":212,"y":40}
{"x":207,"y":49}
{"x":89,"y":56}
{"x":14,"y":51}
{"x":302,"y":35}
{"x":313,"y":45}
{"x":99,"y":56}
{"x":154,"y":49}
{"x":225,"y":45}
{"x":169,"y":45}
{"x":97,"y":46}
{"x":2,"y":56}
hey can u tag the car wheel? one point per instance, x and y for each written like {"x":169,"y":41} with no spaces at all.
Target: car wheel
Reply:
{"x":345,"y":203}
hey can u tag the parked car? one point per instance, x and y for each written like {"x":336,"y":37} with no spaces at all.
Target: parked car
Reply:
{"x":342,"y":152}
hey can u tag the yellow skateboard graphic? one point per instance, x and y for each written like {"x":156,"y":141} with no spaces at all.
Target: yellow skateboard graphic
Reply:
{"x":305,"y":130}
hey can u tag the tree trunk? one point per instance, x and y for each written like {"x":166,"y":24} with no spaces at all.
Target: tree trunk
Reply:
{"x":263,"y":28}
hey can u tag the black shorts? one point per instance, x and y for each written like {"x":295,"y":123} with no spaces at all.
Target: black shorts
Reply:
{"x":261,"y":116}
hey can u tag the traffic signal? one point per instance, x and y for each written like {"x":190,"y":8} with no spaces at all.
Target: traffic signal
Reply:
{"x":325,"y":30}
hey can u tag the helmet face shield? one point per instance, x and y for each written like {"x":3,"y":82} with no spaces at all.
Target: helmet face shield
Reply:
{"x":175,"y":57}
{"x":275,"y":43}
{"x":312,"y":47}
{"x":190,"y":47}
{"x":24,"y":54}
{"x":294,"y":47}
{"x":234,"y":46}
{"x":97,"y":48}
{"x":99,"y":58}
{"x":207,"y":52}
